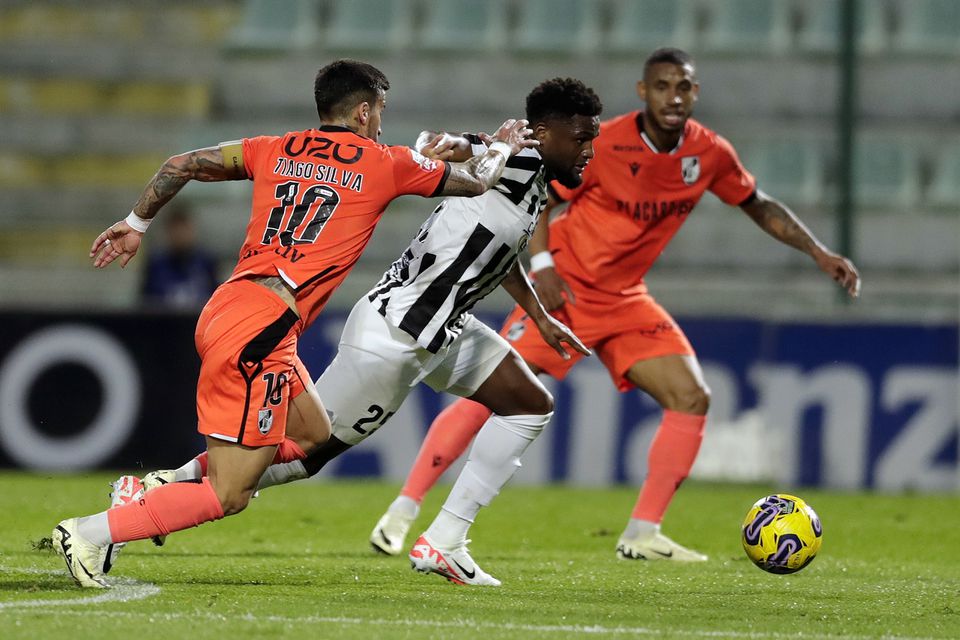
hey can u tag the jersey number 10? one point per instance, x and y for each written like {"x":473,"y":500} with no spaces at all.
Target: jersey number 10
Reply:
{"x":318,"y":200}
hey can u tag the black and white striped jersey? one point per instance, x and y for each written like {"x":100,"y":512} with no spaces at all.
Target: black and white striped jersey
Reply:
{"x":462,"y":253}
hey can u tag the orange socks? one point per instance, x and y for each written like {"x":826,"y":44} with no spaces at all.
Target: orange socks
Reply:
{"x":672,"y":454}
{"x":288,"y":451}
{"x":168,"y":508}
{"x":447,"y":439}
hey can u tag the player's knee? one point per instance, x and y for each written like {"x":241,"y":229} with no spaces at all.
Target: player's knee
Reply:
{"x":540,"y":403}
{"x":234,"y":502}
{"x":694,"y":400}
{"x":233,"y":499}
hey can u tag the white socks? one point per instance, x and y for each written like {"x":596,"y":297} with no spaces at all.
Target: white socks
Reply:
{"x":189,"y":471}
{"x":637,"y":528}
{"x":95,"y":528}
{"x":494,"y":458}
{"x":405,"y":506}
{"x":282,"y":473}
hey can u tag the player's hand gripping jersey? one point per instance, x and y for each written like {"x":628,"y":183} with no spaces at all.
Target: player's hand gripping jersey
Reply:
{"x":633,"y":200}
{"x":317,"y":196}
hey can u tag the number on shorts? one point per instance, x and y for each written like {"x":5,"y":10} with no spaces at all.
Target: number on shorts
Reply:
{"x":376,"y":411}
{"x":275,"y":382}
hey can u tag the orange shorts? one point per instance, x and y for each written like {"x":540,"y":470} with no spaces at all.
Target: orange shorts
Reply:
{"x":631,"y":329}
{"x":249,"y":369}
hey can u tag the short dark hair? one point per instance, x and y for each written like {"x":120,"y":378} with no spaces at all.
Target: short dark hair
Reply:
{"x":668,"y":54}
{"x":561,"y":98}
{"x":343,"y":84}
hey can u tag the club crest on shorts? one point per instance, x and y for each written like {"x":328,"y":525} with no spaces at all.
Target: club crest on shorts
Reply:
{"x":265,"y":420}
{"x":516,"y":330}
{"x":690,"y":169}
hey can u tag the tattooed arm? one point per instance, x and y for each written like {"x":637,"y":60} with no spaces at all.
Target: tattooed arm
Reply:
{"x":479,"y":173}
{"x":211,"y":164}
{"x":779,"y":221}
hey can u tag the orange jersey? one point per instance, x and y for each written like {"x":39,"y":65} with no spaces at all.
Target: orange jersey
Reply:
{"x":634,"y":199}
{"x":317,"y":196}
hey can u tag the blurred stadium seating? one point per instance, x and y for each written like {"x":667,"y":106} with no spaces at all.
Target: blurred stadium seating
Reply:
{"x":95,"y":95}
{"x":819,"y":30}
{"x":637,"y":25}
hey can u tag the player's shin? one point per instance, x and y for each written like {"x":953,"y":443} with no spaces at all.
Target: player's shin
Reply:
{"x":168,"y":508}
{"x":672,"y":454}
{"x":448,"y":437}
{"x":494,"y":458}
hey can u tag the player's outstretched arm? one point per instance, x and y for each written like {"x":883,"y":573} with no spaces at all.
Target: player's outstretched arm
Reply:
{"x":779,"y":221}
{"x":211,"y":164}
{"x":479,"y":173}
{"x":552,"y":290}
{"x":554,"y":332}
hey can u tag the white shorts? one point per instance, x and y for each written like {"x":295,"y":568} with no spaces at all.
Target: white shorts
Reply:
{"x":378,"y":364}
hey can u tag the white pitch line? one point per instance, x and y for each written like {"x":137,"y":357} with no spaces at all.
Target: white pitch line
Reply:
{"x":124,"y":590}
{"x":506,"y":626}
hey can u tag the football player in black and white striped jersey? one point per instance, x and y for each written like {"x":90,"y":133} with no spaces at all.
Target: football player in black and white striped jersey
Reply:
{"x":415,"y":325}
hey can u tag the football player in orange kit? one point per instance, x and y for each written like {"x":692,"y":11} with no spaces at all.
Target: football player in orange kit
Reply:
{"x":651,"y":168}
{"x":317,"y":196}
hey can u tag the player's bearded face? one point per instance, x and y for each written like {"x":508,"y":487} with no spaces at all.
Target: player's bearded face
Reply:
{"x":567,"y":147}
{"x":670,"y":91}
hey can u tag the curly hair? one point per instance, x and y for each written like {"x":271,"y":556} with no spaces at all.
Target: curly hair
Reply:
{"x":561,"y":98}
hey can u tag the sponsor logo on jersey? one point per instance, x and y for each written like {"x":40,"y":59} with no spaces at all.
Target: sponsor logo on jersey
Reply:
{"x":690,"y":169}
{"x":425,"y":163}
{"x":265,"y":421}
{"x":628,"y":147}
{"x":648,"y":210}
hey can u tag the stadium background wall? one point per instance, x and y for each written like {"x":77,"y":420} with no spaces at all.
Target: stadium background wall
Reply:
{"x":839,"y":405}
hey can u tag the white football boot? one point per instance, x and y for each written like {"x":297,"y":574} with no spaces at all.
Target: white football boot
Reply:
{"x":84,"y":559}
{"x":389,"y":534}
{"x":455,"y":565}
{"x":156,"y":479}
{"x":656,"y":546}
{"x":124,"y":490}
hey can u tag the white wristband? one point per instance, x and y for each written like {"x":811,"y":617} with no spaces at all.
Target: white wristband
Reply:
{"x":137,"y":223}
{"x":502,"y":148}
{"x":540,"y":261}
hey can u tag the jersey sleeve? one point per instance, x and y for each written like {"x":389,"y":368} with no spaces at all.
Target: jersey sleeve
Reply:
{"x":416,"y":174}
{"x":732,"y":183}
{"x":253,"y":151}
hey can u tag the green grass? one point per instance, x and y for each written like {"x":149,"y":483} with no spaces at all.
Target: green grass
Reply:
{"x":297,"y":564}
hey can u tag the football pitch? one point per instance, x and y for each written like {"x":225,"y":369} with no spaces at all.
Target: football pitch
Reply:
{"x":297,"y":564}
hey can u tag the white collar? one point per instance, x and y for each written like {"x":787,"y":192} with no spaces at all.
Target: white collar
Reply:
{"x":653,"y":147}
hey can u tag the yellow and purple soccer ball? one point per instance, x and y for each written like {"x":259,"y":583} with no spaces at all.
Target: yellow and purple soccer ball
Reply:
{"x":781,"y":533}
